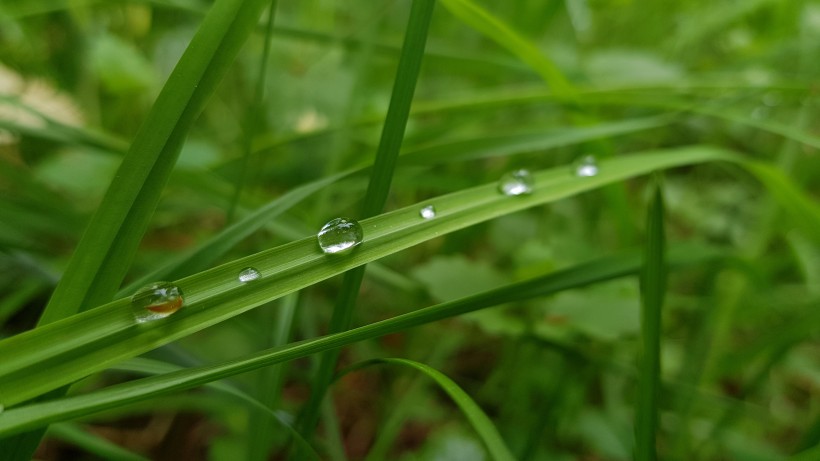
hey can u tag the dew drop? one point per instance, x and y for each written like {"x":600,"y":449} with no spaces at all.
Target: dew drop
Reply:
{"x":428,"y":212}
{"x":248,"y":274}
{"x":156,"y":301}
{"x":586,"y":167}
{"x":339,"y":235}
{"x":518,"y":182}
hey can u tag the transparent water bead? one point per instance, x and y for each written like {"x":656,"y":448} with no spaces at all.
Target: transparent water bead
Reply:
{"x":586,"y":167}
{"x":248,"y":274}
{"x":156,"y":301}
{"x":340,"y":234}
{"x":428,"y":212}
{"x":518,"y":182}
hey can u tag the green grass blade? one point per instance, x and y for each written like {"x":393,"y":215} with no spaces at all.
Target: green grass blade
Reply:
{"x":484,"y":22}
{"x":404,"y":87}
{"x":91,"y":443}
{"x":215,"y":247}
{"x":653,"y":289}
{"x":155,"y":367}
{"x":255,"y":113}
{"x":104,"y":253}
{"x":58,"y":354}
{"x":31,"y":416}
{"x":481,"y":423}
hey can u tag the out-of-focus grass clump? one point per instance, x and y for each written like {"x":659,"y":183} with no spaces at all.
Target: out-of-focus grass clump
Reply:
{"x":550,"y":374}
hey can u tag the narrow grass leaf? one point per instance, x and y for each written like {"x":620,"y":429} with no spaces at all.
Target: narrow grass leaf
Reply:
{"x":404,"y":87}
{"x":31,"y":416}
{"x":58,"y":354}
{"x":93,"y":444}
{"x":487,"y":432}
{"x":653,"y":289}
{"x":492,"y":27}
{"x":155,"y":367}
{"x":103,"y":255}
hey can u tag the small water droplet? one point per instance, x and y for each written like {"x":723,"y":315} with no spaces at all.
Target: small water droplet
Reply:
{"x":428,"y":212}
{"x":518,"y":182}
{"x":248,"y":274}
{"x":156,"y":301}
{"x":339,"y":235}
{"x":586,"y":167}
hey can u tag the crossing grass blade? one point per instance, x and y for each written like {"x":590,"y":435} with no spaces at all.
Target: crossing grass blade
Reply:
{"x":485,"y":429}
{"x":103,"y":255}
{"x":653,"y":289}
{"x":58,"y":354}
{"x":384,"y":165}
{"x":484,"y":22}
{"x":93,"y":444}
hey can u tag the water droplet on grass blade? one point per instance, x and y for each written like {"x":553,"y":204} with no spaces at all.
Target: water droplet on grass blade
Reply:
{"x":428,"y":212}
{"x":248,"y":274}
{"x":339,"y":235}
{"x":156,"y":301}
{"x":518,"y":182}
{"x":586,"y":167}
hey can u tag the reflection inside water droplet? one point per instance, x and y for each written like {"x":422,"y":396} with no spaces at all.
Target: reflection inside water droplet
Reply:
{"x":518,"y":182}
{"x":156,"y":301}
{"x":340,"y":234}
{"x":248,"y":274}
{"x":428,"y":212}
{"x":586,"y":167}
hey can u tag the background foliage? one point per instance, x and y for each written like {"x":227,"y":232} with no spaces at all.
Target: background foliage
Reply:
{"x":286,"y":131}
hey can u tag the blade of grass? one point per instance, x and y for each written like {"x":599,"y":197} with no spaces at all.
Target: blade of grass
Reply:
{"x":487,"y":432}
{"x":155,"y":367}
{"x":93,"y":444}
{"x":110,"y":241}
{"x":48,"y":357}
{"x":103,"y":255}
{"x":255,"y":114}
{"x":484,"y":22}
{"x":34,"y":415}
{"x":395,"y":123}
{"x":653,"y":289}
{"x":271,"y":380}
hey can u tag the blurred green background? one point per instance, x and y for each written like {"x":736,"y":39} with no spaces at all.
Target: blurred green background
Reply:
{"x":741,"y":357}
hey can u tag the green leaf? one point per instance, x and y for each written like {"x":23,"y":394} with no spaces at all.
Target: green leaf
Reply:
{"x":395,"y":123}
{"x":653,"y":290}
{"x":31,"y":416}
{"x":58,"y":354}
{"x":120,"y":66}
{"x":484,"y":22}
{"x":481,"y":423}
{"x":104,"y":254}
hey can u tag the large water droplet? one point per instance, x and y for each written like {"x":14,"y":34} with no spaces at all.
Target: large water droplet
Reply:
{"x":586,"y":167}
{"x":339,"y":235}
{"x":518,"y":182}
{"x":428,"y":212}
{"x":248,"y":274}
{"x":156,"y":301}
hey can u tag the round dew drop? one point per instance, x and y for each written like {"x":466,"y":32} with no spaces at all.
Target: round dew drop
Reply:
{"x":518,"y":182}
{"x":428,"y":212}
{"x":587,"y":167}
{"x":156,"y":301}
{"x":340,"y":234}
{"x":248,"y":274}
